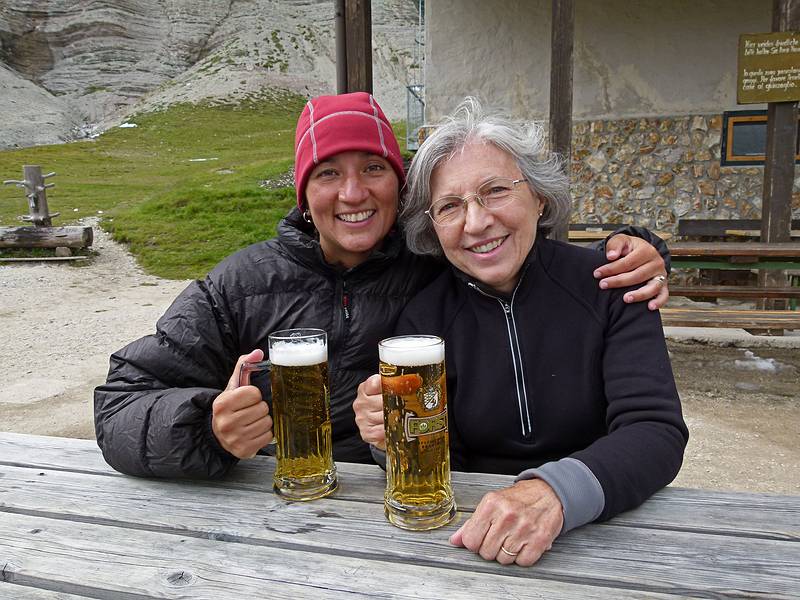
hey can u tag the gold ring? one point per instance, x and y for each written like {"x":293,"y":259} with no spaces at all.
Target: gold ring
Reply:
{"x":511,"y":554}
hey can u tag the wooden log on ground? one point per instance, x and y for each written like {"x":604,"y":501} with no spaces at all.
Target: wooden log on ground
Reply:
{"x":46,"y":237}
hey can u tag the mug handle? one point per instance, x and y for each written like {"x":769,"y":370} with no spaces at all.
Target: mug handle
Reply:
{"x":244,"y":378}
{"x":251,"y":367}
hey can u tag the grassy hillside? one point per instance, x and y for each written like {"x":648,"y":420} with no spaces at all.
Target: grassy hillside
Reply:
{"x":179,"y":214}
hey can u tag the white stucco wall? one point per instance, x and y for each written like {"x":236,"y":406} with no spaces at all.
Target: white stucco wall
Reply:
{"x":631,"y":58}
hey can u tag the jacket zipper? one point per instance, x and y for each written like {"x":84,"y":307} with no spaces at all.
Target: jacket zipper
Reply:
{"x":516,"y":358}
{"x":345,"y":301}
{"x":341,"y":317}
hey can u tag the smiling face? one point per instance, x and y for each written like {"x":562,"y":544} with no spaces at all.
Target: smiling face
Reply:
{"x":489,"y":245}
{"x":352,"y":198}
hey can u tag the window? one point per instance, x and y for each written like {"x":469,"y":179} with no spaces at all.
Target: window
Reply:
{"x":744,"y":138}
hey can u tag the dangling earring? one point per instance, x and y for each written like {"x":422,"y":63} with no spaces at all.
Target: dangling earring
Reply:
{"x":307,"y":216}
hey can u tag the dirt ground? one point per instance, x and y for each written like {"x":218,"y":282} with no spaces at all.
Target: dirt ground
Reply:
{"x":60,"y":322}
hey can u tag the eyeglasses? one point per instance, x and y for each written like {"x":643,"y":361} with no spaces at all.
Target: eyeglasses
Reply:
{"x":495,"y":193}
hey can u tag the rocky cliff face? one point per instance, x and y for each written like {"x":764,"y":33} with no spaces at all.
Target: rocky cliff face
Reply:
{"x":69,"y":69}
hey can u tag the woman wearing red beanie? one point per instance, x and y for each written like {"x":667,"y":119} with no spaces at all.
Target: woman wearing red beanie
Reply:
{"x":170,"y":406}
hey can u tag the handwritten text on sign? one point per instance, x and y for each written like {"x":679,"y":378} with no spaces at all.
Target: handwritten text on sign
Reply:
{"x":769,"y":68}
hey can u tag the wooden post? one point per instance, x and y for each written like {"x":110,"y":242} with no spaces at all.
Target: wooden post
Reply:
{"x":358,"y":36}
{"x":341,"y":48}
{"x":776,"y":208}
{"x":779,"y":167}
{"x":37,"y":196}
{"x":36,"y":193}
{"x":561,"y":42}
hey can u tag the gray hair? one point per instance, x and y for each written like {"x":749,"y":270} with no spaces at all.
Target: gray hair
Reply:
{"x":525,"y":143}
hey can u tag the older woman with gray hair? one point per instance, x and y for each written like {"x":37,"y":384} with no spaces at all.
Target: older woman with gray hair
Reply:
{"x":549,"y":378}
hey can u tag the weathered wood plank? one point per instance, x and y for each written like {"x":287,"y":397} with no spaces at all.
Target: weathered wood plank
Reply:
{"x":740,"y":319}
{"x":20,"y":592}
{"x":52,"y":452}
{"x":718,"y":227}
{"x":606,"y":555}
{"x":734,"y":291}
{"x":755,"y":233}
{"x":695,"y":510}
{"x":762,"y":249}
{"x":357,"y":481}
{"x":104,"y":562}
{"x":46,"y":237}
{"x":43,"y":259}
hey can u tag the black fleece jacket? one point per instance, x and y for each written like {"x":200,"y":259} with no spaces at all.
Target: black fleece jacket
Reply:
{"x":559,"y":369}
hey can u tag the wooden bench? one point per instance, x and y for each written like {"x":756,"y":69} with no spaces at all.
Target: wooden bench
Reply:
{"x":708,"y":228}
{"x":589,"y":232}
{"x":734,"y":291}
{"x":735,"y":255}
{"x":755,"y":233}
{"x":757,"y":320}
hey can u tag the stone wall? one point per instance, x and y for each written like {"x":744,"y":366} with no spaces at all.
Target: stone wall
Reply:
{"x":654,"y":171}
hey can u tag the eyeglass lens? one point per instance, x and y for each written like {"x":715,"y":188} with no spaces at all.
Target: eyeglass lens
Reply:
{"x":495,"y":193}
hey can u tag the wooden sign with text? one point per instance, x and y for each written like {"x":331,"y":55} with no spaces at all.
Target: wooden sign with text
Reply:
{"x":768,"y":68}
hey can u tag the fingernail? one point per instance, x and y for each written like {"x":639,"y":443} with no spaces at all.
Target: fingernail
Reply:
{"x":598,"y":273}
{"x":603,"y":285}
{"x":628,"y":298}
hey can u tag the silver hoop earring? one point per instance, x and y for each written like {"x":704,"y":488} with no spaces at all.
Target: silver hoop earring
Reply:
{"x":307,"y":216}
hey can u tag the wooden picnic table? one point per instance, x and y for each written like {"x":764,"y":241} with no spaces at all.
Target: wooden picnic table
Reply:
{"x":587,"y":235}
{"x":71,"y":527}
{"x":755,"y":233}
{"x":735,"y":255}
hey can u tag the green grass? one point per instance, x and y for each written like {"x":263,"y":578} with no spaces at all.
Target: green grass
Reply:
{"x":178,"y":216}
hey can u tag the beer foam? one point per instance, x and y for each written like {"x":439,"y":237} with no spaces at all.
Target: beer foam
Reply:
{"x":298,"y":354}
{"x":411,"y":351}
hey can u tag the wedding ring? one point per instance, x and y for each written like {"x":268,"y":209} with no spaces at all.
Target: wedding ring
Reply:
{"x":660,"y":279}
{"x":511,"y":554}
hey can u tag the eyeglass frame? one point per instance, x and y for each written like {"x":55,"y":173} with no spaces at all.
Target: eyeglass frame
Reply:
{"x":468,"y":197}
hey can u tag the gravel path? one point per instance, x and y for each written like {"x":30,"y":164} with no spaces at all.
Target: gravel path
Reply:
{"x":60,"y":322}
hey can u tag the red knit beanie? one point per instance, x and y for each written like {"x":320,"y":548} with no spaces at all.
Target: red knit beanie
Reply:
{"x":329,"y":125}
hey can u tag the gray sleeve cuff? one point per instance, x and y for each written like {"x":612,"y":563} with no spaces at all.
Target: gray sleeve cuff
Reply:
{"x":575,"y":485}
{"x":379,"y":456}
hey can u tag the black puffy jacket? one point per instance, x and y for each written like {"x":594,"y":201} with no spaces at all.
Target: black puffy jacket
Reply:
{"x":153,"y":414}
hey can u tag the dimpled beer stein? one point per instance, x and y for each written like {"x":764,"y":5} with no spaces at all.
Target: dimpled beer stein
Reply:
{"x":418,"y":491}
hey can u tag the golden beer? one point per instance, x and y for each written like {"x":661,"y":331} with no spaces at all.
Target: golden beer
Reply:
{"x":418,"y":491}
{"x":301,"y":414}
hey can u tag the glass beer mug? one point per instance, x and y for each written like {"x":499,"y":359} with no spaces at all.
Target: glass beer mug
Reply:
{"x":298,"y":363}
{"x":418,"y":491}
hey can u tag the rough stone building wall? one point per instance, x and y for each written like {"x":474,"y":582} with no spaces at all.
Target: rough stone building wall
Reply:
{"x":654,"y":171}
